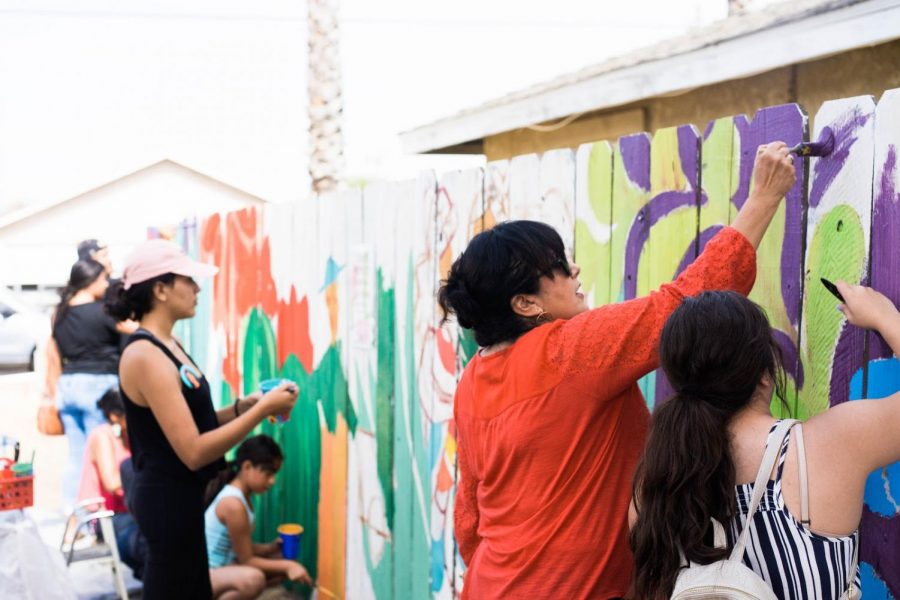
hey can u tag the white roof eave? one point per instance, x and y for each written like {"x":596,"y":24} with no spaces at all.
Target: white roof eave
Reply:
{"x":808,"y":38}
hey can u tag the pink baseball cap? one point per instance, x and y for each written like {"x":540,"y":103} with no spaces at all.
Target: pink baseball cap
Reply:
{"x":158,"y":257}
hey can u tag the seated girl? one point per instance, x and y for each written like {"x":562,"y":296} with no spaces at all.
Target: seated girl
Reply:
{"x":238,"y":567}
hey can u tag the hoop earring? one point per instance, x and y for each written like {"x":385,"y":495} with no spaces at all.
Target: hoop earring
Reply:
{"x":541,"y":317}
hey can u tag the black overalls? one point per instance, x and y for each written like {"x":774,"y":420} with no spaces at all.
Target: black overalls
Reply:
{"x":167,"y":501}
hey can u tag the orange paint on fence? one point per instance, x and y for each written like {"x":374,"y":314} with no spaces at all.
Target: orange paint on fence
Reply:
{"x":333,"y":509}
{"x":331,"y":300}
{"x":293,"y":331}
{"x":245,"y":278}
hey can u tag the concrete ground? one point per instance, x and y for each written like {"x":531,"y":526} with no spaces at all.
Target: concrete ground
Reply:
{"x":20,"y":395}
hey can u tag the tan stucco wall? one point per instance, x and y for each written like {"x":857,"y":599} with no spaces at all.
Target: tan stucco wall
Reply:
{"x":864,"y":71}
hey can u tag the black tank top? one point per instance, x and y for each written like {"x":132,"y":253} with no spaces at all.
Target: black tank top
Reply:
{"x":151,"y":451}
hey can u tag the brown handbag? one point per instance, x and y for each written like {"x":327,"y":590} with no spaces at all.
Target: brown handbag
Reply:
{"x":48,"y":421}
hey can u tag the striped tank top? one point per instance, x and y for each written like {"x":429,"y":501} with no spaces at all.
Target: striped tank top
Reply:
{"x":796,"y":562}
{"x":218,"y":543}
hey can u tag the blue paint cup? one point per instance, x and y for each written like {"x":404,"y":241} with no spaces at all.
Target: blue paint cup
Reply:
{"x":267,"y":386}
{"x":290,"y":534}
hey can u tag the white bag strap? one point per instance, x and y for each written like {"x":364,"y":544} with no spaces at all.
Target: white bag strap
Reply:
{"x":804,"y":483}
{"x":719,"y":538}
{"x":773,"y":447}
{"x":804,"y":505}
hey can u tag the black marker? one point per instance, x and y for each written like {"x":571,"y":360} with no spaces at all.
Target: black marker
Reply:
{"x":832,"y":288}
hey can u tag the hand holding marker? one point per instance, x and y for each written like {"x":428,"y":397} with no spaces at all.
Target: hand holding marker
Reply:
{"x":832,"y":288}
{"x":284,"y":404}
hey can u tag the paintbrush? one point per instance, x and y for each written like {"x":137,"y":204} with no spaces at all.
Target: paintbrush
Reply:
{"x":823,"y":147}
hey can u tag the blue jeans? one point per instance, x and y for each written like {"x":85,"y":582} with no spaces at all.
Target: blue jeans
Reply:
{"x":77,"y":395}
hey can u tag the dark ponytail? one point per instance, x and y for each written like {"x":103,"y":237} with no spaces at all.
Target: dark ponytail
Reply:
{"x":497,"y":265}
{"x":136,"y":301}
{"x":83,"y":273}
{"x":715,"y":349}
{"x":261,"y":450}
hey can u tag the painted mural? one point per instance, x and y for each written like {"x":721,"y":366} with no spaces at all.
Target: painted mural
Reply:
{"x":338,"y":293}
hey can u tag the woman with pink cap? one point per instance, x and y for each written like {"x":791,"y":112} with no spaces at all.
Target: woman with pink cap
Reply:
{"x":177,"y":437}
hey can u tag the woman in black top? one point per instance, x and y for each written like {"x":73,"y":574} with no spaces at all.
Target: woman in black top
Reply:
{"x":177,"y":437}
{"x":89,"y":349}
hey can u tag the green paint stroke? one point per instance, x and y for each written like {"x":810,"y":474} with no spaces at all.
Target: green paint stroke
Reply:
{"x":260,"y":357}
{"x":467,"y":346}
{"x":837,"y":251}
{"x":295,"y":496}
{"x":384,"y":393}
{"x":410,"y":535}
{"x":628,"y":198}
{"x":719,"y":173}
{"x":593,"y":254}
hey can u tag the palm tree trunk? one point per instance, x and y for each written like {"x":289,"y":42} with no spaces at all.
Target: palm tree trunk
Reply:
{"x":325,"y":102}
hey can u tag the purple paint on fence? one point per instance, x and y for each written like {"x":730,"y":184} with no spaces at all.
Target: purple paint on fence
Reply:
{"x":882,"y":538}
{"x":635,"y":150}
{"x":789,"y":356}
{"x":785,"y":123}
{"x":827,"y":167}
{"x":747,"y":156}
{"x":885,"y":233}
{"x":647,"y":217}
{"x":689,"y":153}
{"x":705,"y":235}
{"x":848,"y":359}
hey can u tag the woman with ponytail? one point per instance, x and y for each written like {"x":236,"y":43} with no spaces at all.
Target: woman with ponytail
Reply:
{"x":549,"y":417}
{"x":238,"y":566}
{"x":706,"y":445}
{"x":88,"y":346}
{"x":177,"y":436}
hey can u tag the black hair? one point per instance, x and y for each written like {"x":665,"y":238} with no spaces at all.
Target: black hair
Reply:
{"x":83,"y":273}
{"x":261,"y":450}
{"x":136,"y":301}
{"x":500,"y":263}
{"x":110,"y":403}
{"x":715,"y":349}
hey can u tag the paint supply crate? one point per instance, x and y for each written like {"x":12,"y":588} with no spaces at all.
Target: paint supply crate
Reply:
{"x":16,"y":492}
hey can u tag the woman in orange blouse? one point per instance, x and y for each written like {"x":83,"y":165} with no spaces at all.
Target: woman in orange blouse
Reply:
{"x":549,"y":416}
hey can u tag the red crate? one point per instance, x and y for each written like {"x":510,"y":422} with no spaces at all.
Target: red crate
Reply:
{"x":17,"y":492}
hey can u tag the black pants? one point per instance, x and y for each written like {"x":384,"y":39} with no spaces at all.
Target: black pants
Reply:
{"x":170,"y":515}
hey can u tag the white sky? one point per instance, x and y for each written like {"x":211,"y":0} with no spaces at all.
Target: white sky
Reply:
{"x":92,"y":90}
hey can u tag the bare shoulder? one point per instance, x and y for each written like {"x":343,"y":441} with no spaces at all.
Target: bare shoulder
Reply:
{"x":864,"y":430}
{"x":139,"y":359}
{"x":143,"y":357}
{"x":231,"y":511}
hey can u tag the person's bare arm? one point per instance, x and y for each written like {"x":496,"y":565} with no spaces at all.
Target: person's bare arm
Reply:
{"x":53,"y":368}
{"x":127,"y":327}
{"x":161,"y":392}
{"x":872,"y":424}
{"x":227,"y":414}
{"x":104,"y":454}
{"x":232,"y":514}
{"x":773,"y":176}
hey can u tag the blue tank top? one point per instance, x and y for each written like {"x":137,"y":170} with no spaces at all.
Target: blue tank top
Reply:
{"x":218,"y":543}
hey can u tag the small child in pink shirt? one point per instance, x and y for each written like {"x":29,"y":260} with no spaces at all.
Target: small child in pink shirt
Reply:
{"x":106,"y":448}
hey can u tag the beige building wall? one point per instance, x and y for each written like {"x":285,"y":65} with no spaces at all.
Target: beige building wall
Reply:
{"x":864,"y":71}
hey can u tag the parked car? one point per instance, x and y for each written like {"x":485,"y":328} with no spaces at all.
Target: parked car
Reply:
{"x":23,"y":330}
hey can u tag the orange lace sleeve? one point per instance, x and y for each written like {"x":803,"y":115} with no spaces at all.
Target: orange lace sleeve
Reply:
{"x":465,"y":510}
{"x":621,"y":339}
